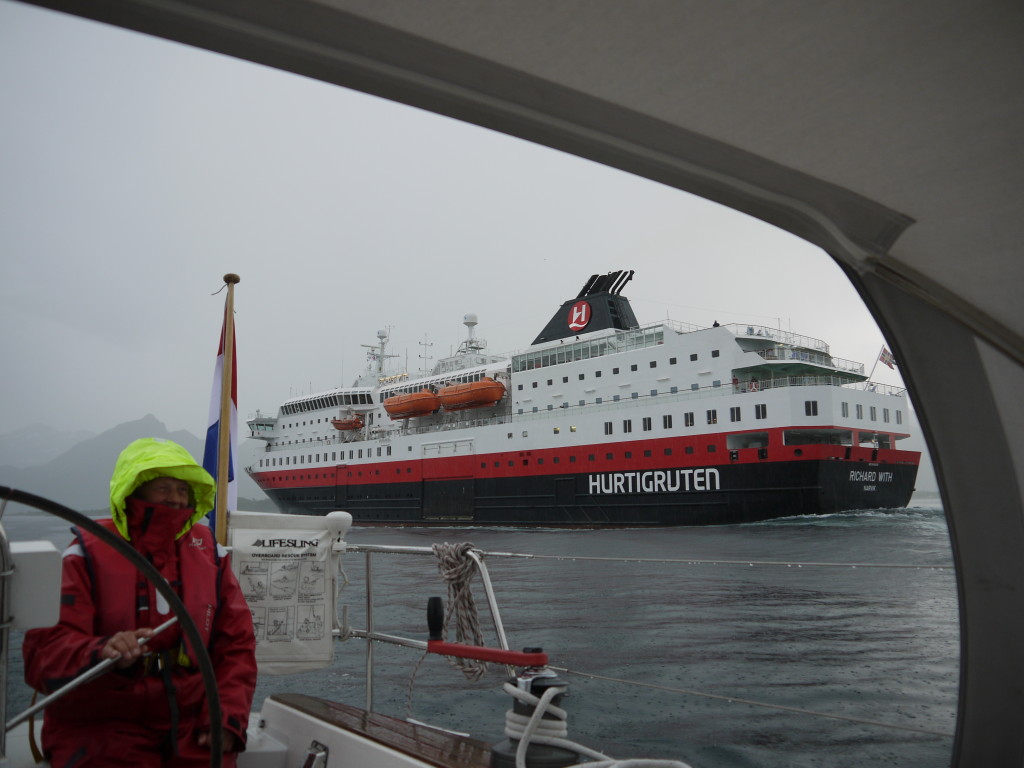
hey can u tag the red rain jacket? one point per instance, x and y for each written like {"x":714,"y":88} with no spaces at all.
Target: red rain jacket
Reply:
{"x":102,"y":594}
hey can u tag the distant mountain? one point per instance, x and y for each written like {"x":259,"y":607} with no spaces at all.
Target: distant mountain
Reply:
{"x":79,"y":476}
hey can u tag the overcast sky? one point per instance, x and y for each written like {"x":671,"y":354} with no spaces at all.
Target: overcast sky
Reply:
{"x":135,"y":172}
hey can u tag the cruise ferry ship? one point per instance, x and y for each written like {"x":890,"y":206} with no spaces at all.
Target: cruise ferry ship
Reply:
{"x":599,"y":422}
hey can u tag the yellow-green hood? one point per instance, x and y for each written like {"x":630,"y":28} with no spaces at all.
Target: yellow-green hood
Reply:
{"x":148,"y":459}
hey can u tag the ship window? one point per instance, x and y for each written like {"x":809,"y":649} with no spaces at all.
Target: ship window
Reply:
{"x":597,"y":374}
{"x":846,"y":410}
{"x":510,"y":434}
{"x":539,"y":461}
{"x":615,"y":371}
{"x":497,"y":463}
{"x":628,"y":455}
{"x":635,"y":395}
{"x":609,"y":456}
{"x":572,"y":428}
{"x":535,"y":385}
{"x":534,"y":409}
{"x":409,"y":448}
{"x":899,"y":417}
{"x":627,"y":425}
{"x":760,"y":411}
{"x":525,"y":433}
{"x":654,"y":363}
{"x":519,"y":386}
{"x":810,"y":407}
{"x":667,"y":451}
{"x":590,"y":457}
{"x":632,"y":367}
{"x":582,"y":376}
{"x":695,"y":387}
{"x":598,"y":400}
{"x":511,"y":463}
{"x":885,"y":415}
{"x":565,"y":379}
{"x":874,"y":413}
{"x":693,"y":356}
{"x":860,"y":411}
{"x":555,"y":460}
{"x":714,"y":353}
{"x":654,"y":393}
{"x":607,"y":427}
{"x":557,"y":430}
{"x":583,"y":402}
{"x":647,"y":423}
{"x":360,"y":453}
{"x":666,"y":421}
{"x":550,"y":382}
{"x":615,"y":398}
{"x":712,"y":449}
{"x":734,"y":413}
{"x":551,"y":406}
{"x":483,"y":465}
{"x":572,"y":459}
{"x":689,"y":449}
{"x":688,"y":419}
{"x":712,"y":416}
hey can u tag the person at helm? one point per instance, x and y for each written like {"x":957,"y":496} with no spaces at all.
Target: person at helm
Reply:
{"x":150,"y":710}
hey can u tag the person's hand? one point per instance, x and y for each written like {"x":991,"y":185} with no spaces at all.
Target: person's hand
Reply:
{"x":125,"y":647}
{"x":229,"y":740}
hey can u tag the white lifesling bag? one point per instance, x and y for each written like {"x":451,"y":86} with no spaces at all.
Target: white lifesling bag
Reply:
{"x":287,"y":566}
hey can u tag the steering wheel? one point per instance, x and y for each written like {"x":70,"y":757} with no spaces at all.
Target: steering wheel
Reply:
{"x":188,"y":626}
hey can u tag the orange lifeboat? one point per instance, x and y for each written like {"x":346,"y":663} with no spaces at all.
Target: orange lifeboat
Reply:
{"x":352,"y":422}
{"x":473,"y":394}
{"x":413,"y":404}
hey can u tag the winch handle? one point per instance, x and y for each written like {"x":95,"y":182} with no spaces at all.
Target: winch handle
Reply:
{"x":435,"y":627}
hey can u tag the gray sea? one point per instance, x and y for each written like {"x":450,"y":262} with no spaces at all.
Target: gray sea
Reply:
{"x":826,"y":641}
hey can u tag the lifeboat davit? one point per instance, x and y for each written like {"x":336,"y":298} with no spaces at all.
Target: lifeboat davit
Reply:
{"x":352,"y":422}
{"x":413,"y":404}
{"x":473,"y":394}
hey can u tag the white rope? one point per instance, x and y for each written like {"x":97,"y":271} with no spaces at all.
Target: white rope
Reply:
{"x":551,"y":731}
{"x":457,"y":570}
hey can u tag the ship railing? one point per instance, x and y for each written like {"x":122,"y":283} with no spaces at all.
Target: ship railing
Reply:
{"x":686,"y":395}
{"x":776,"y":334}
{"x":790,"y":354}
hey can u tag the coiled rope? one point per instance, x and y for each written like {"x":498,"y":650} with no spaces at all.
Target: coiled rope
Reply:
{"x":457,"y":570}
{"x":552,"y":730}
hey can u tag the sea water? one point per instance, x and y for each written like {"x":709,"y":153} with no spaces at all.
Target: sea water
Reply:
{"x":785,"y":643}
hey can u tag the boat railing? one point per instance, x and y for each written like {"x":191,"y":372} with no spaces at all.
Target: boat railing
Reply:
{"x":371,"y":634}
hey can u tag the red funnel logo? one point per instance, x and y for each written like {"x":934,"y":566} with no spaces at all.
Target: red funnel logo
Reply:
{"x":579,"y":316}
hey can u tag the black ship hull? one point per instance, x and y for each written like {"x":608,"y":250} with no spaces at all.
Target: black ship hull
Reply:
{"x":721,"y":495}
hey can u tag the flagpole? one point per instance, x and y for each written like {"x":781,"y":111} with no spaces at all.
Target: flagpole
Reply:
{"x":877,"y":358}
{"x":224,"y":427}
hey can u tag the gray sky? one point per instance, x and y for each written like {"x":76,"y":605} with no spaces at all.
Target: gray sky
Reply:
{"x":135,"y":172}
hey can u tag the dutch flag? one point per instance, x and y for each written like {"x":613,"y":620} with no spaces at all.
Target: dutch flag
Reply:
{"x":213,"y":431}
